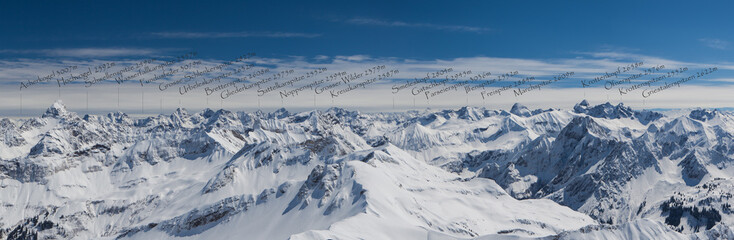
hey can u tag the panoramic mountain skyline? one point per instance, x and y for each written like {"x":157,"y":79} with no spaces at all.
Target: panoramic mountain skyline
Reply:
{"x":463,"y":120}
{"x":456,"y":174}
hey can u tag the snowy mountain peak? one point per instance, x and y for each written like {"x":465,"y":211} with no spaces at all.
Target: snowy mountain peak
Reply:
{"x":584,"y":103}
{"x":470,"y":113}
{"x":341,"y":112}
{"x":683,"y":126}
{"x":606,"y":110}
{"x":279,"y":113}
{"x":520,"y":110}
{"x":609,"y":111}
{"x":703,"y":114}
{"x":580,"y":126}
{"x":57,"y":109}
{"x":581,"y":107}
{"x":181,"y":112}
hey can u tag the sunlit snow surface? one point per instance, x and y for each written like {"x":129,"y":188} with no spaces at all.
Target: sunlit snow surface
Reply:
{"x":591,"y":172}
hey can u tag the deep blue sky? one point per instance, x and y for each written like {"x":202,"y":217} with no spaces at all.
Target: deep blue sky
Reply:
{"x":684,"y":31}
{"x":538,"y":38}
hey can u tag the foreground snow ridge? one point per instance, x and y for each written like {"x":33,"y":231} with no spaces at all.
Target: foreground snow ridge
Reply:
{"x":592,"y":172}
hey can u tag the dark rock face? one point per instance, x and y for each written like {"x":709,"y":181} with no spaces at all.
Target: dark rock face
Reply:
{"x":319,"y":185}
{"x":675,"y":210}
{"x":609,"y":111}
{"x":703,"y":114}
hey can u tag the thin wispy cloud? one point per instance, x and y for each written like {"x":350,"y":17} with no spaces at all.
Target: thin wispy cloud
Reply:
{"x":84,"y":52}
{"x":714,"y":43}
{"x":704,"y":92}
{"x":194,"y":35}
{"x":728,"y":80}
{"x":379,"y":22}
{"x":101,"y":52}
{"x":354,"y":58}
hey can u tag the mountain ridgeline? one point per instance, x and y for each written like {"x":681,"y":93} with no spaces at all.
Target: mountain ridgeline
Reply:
{"x":604,"y":171}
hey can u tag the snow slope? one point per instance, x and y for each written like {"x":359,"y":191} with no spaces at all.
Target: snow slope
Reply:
{"x":594,"y":172}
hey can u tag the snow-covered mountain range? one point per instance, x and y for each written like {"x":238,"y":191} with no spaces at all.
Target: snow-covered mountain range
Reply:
{"x":591,"y":172}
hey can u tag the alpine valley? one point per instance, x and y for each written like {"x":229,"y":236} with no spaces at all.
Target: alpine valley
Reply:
{"x":590,"y":172}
